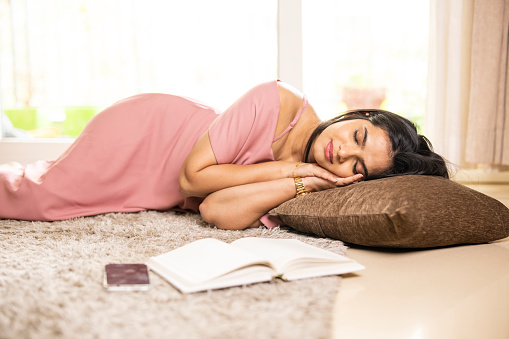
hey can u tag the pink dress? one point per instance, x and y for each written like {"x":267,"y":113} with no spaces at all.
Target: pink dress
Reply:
{"x":129,"y":156}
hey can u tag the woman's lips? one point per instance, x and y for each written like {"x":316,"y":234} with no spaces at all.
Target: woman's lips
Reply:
{"x":329,"y":150}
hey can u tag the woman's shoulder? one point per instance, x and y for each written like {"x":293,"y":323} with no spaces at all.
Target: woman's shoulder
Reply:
{"x":289,"y":95}
{"x":290,"y":103}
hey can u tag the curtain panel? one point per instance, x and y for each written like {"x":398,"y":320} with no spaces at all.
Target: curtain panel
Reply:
{"x":488,"y":116}
{"x":449,"y":77}
{"x":468,"y":89}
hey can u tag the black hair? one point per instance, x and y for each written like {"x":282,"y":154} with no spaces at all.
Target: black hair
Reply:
{"x":412,"y":153}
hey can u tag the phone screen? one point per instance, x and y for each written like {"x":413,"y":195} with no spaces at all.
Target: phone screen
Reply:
{"x":126,"y":277}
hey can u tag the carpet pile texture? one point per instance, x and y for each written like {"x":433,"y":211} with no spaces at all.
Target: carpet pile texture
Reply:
{"x":51,"y":277}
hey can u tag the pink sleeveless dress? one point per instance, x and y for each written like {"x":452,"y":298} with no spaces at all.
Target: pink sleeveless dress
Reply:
{"x":129,"y":156}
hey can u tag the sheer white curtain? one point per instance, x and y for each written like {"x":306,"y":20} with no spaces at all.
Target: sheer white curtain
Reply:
{"x":449,"y":77}
{"x":468,"y":89}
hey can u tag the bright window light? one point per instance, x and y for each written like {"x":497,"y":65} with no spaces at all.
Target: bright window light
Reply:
{"x":63,"y":61}
{"x":366,"y":54}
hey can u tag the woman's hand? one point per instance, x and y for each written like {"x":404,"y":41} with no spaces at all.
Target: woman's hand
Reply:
{"x":312,"y":170}
{"x":314,"y":184}
{"x":316,"y":178}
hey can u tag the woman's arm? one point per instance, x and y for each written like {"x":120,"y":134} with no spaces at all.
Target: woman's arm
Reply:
{"x":200,"y":174}
{"x":242,"y":206}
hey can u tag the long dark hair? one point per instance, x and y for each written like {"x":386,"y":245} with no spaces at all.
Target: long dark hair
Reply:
{"x":412,"y":153}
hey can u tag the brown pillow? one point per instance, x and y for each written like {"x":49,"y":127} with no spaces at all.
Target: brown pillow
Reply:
{"x":400,"y":212}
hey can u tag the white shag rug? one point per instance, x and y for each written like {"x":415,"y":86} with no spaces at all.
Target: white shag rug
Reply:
{"x":51,"y":277}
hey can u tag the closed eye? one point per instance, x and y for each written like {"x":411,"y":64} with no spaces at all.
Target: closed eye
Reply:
{"x":355,"y":133}
{"x":365,"y":169}
{"x":355,"y":139}
{"x":355,"y":136}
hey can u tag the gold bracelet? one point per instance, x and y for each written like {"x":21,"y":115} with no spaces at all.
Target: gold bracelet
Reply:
{"x":300,"y":162}
{"x":299,"y":186}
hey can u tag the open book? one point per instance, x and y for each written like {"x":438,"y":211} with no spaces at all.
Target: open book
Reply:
{"x":210,"y":263}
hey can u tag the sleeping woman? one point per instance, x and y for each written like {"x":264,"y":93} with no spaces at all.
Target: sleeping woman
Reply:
{"x":164,"y":152}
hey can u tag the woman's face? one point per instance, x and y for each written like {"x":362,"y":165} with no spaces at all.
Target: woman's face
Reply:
{"x":353,"y":146}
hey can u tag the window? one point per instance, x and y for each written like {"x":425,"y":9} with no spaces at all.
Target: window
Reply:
{"x":366,"y":53}
{"x":63,"y":61}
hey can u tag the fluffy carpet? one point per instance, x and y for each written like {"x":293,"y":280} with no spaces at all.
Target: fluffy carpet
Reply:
{"x":51,"y":284}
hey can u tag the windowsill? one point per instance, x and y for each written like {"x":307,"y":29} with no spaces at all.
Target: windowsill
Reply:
{"x":38,"y":140}
{"x":26,"y":151}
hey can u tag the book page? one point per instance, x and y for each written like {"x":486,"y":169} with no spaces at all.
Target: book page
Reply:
{"x":293,"y":258}
{"x":245,"y":276}
{"x":206,"y":259}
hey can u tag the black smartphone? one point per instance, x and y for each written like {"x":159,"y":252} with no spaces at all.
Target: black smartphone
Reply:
{"x":126,"y":277}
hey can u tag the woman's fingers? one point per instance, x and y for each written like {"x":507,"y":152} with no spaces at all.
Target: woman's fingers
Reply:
{"x":315,"y":184}
{"x":312,"y":170}
{"x":349,"y":180}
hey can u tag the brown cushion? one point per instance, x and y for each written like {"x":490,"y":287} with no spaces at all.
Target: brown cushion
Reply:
{"x":401,"y":212}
